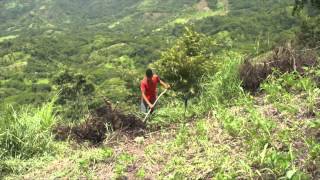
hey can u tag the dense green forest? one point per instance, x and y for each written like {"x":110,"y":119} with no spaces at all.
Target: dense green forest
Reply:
{"x":244,"y":102}
{"x":40,"y":40}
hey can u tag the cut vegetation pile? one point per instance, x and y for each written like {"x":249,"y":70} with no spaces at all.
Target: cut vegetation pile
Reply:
{"x":283,"y":59}
{"x":101,"y":121}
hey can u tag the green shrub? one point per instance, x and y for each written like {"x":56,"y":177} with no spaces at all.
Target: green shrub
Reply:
{"x":27,"y":132}
{"x":186,"y":62}
{"x":76,"y":95}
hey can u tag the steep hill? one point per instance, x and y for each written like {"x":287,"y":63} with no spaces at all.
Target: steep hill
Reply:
{"x":40,"y":39}
{"x":244,"y":102}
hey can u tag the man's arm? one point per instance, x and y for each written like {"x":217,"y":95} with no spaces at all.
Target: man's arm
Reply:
{"x":165,"y":85}
{"x":146,"y":100}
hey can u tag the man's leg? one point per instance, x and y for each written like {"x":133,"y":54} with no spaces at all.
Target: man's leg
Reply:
{"x":144,"y":107}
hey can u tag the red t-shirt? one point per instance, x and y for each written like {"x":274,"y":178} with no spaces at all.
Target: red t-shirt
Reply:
{"x":150,"y":88}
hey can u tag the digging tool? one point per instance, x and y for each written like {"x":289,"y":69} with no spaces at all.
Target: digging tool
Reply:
{"x":145,"y":118}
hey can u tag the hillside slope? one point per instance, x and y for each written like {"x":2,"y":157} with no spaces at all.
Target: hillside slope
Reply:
{"x":274,"y":134}
{"x":41,"y":39}
{"x":239,"y":108}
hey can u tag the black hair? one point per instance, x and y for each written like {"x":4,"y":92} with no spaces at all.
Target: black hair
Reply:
{"x":149,"y":73}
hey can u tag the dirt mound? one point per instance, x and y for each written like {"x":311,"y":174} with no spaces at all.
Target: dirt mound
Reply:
{"x":284,"y":59}
{"x":101,"y":121}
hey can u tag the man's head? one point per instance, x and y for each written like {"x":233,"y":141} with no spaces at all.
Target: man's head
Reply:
{"x":149,"y":73}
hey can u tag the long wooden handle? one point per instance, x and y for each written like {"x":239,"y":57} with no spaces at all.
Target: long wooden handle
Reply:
{"x":145,"y":118}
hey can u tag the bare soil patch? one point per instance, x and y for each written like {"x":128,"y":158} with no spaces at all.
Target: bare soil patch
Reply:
{"x":101,"y":121}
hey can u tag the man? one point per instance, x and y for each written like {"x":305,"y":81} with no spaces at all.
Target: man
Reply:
{"x":148,"y":88}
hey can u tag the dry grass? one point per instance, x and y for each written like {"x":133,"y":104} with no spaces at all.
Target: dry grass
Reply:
{"x":101,"y":121}
{"x":283,"y":59}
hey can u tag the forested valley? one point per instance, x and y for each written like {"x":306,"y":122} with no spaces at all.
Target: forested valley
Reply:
{"x":243,"y":104}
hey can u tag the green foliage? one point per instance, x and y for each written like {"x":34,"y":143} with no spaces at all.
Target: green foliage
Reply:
{"x":87,"y":41}
{"x":94,"y":157}
{"x":182,"y":136}
{"x":75,"y":95}
{"x":309,"y":35}
{"x":281,"y":89}
{"x":221,"y":88}
{"x":15,"y":84}
{"x":123,"y":161}
{"x":278,"y":161}
{"x":231,"y":123}
{"x":27,"y":133}
{"x":202,"y":130}
{"x":314,"y":149}
{"x":19,"y":166}
{"x":141,"y":174}
{"x":252,"y":23}
{"x":225,"y":85}
{"x":186,"y":62}
{"x":300,"y":4}
{"x":115,"y":89}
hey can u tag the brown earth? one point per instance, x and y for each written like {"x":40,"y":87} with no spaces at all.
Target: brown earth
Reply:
{"x":284,"y":59}
{"x":101,"y":121}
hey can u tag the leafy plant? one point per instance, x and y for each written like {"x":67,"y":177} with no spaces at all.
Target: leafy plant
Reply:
{"x":186,"y":62}
{"x":278,"y":161}
{"x":141,"y":173}
{"x":123,"y":161}
{"x":75,"y":95}
{"x":202,"y":130}
{"x":94,"y":157}
{"x":182,"y":136}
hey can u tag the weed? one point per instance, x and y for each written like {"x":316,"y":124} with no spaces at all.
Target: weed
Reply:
{"x":225,"y":85}
{"x":122,"y":162}
{"x":279,"y":162}
{"x":202,"y":130}
{"x":314,"y":148}
{"x":27,"y":133}
{"x":182,"y":136}
{"x":94,"y":156}
{"x":141,"y":173}
{"x":233,"y":124}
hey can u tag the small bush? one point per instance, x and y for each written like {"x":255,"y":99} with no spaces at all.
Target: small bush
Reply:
{"x":186,"y":62}
{"x":75,"y":97}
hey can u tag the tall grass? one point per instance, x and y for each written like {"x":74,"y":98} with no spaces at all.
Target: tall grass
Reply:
{"x":27,"y":132}
{"x":225,"y":85}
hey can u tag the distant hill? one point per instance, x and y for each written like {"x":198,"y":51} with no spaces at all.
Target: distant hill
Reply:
{"x":17,"y":15}
{"x":41,"y":38}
